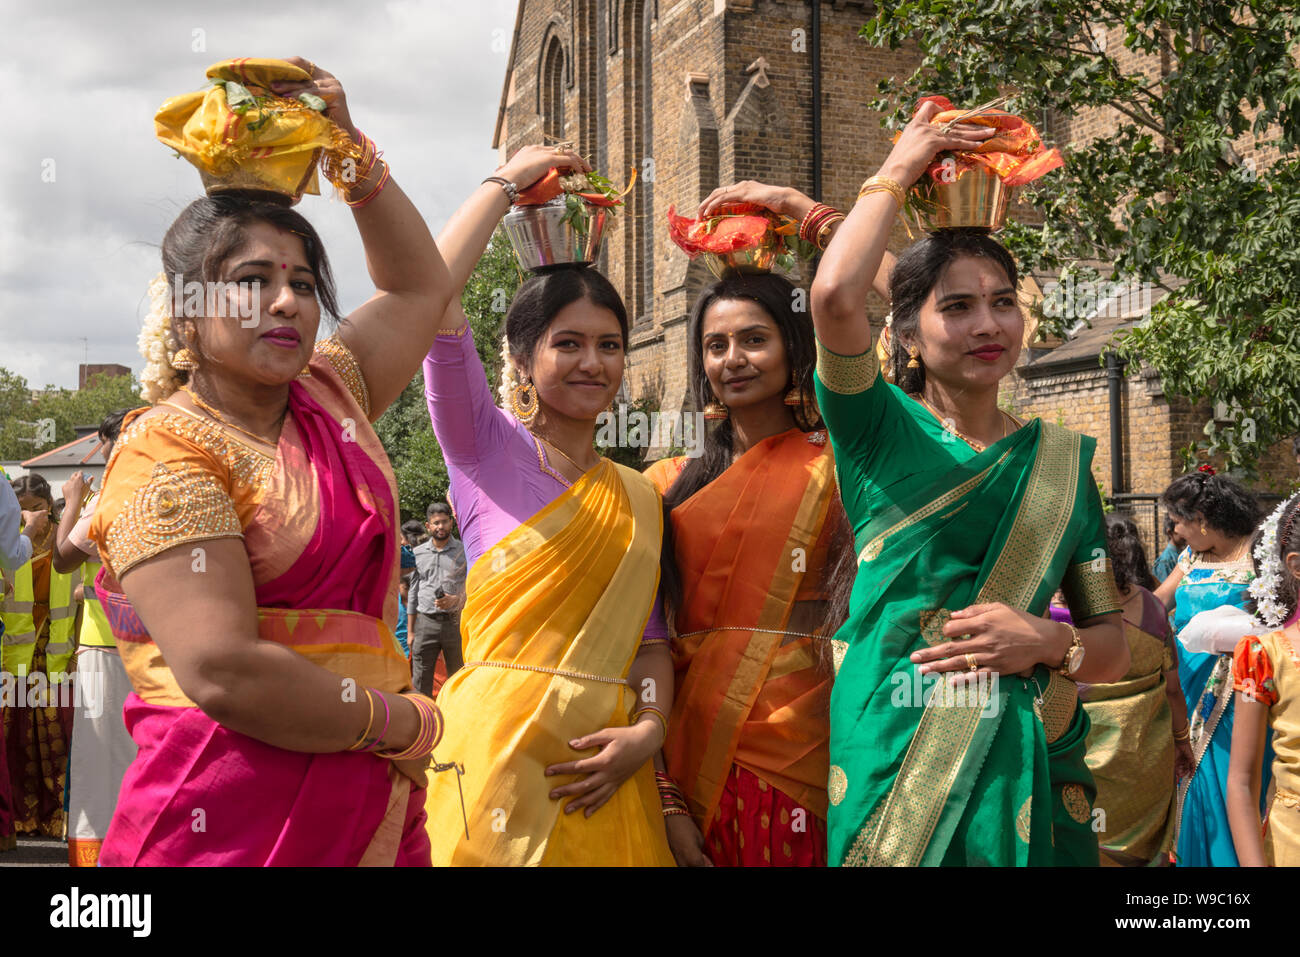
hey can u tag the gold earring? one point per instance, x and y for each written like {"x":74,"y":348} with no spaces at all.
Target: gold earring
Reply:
{"x":185,"y":360}
{"x":305,"y":373}
{"x":1204,"y":530}
{"x":715,"y":411}
{"x":913,"y":354}
{"x":523,"y":403}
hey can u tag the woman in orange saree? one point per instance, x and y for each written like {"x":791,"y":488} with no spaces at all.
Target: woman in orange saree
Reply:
{"x":758,"y":533}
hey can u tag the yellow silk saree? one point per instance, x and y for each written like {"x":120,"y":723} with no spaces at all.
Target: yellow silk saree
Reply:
{"x":554,"y":619}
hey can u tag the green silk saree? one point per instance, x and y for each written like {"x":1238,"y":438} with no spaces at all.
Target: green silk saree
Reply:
{"x":921,"y":775}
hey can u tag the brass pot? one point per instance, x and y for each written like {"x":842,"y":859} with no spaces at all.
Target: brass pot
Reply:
{"x":246,"y":181}
{"x":977,"y":198}
{"x":754,"y":261}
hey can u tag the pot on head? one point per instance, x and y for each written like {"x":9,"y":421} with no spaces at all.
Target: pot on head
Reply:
{"x":547,"y":235}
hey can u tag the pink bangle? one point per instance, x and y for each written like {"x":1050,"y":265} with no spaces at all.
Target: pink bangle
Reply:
{"x":383,"y":181}
{"x":429,"y":734}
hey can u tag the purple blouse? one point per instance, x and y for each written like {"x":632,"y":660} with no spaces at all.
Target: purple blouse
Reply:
{"x":500,"y":474}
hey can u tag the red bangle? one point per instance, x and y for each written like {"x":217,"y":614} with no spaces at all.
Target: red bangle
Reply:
{"x":814,"y":220}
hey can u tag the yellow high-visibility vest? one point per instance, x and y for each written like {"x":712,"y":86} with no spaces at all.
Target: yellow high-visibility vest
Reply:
{"x":95,"y":632}
{"x":18,"y":645}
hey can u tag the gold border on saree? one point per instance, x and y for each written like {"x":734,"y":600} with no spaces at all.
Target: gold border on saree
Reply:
{"x":581,"y":675}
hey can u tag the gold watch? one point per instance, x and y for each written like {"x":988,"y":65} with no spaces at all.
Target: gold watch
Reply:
{"x":1073,"y":660}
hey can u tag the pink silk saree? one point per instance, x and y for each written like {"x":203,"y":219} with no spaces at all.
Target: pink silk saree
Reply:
{"x":322,"y":545}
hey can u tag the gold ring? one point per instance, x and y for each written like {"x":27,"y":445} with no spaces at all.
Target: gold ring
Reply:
{"x":970,"y":660}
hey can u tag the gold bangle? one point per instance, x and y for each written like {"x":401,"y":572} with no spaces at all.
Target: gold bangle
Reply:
{"x":1184,"y":735}
{"x":824,"y":234}
{"x":454,"y":332}
{"x":879,"y":189}
{"x":654,"y":711}
{"x":369,"y":722}
{"x":875,"y":183}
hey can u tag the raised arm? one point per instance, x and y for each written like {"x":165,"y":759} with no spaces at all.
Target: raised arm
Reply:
{"x":67,"y":555}
{"x":391,"y":331}
{"x":461,"y":407}
{"x":466,"y":235}
{"x":854,"y":259}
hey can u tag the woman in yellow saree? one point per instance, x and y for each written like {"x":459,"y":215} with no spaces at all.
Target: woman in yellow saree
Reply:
{"x":564,"y":550}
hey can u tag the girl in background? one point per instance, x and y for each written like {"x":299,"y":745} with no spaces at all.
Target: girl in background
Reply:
{"x":1266,"y":677}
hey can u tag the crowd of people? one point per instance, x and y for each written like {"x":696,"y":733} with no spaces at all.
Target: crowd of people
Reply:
{"x":878,"y":621}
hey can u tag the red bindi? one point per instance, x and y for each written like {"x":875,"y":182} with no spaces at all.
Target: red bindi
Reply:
{"x":284,"y":265}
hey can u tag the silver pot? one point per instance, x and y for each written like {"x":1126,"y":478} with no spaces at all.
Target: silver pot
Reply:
{"x":541,"y":237}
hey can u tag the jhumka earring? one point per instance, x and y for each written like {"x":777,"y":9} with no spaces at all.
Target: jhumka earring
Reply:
{"x":305,"y":373}
{"x":715,"y":411}
{"x":806,"y":403}
{"x":523,"y":403}
{"x":913,"y":354}
{"x":185,"y":360}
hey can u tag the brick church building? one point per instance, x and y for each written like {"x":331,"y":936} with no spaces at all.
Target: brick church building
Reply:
{"x":694,"y":94}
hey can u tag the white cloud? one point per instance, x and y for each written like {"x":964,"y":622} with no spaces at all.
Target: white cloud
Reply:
{"x":80,"y":82}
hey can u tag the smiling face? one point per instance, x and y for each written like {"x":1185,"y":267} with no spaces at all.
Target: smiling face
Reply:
{"x":744,"y":355}
{"x":268,"y":281}
{"x":971,"y":327}
{"x":577,"y":363}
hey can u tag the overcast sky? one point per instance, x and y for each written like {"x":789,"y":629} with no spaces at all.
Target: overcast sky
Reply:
{"x":81,"y":81}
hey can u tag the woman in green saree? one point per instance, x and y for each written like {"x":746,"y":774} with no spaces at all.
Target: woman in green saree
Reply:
{"x":956,"y":734}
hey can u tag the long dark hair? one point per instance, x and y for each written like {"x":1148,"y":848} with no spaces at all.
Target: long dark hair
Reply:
{"x":777,"y":297}
{"x":212,"y":229}
{"x":540,"y":299}
{"x":1227,"y":507}
{"x":1127,"y":556}
{"x":915,"y":275}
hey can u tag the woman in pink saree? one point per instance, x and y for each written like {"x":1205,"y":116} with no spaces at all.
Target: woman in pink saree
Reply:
{"x":249,"y":524}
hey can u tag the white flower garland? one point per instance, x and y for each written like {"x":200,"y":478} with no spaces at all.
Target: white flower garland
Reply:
{"x":158,"y":345}
{"x":1265,"y":588}
{"x":508,"y":380}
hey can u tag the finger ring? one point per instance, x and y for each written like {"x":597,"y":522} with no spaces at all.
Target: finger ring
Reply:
{"x":311,"y":68}
{"x":970,"y":660}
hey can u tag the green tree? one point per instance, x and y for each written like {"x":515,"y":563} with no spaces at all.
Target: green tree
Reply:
{"x":404,"y":428}
{"x":68,"y":408}
{"x":1165,"y":196}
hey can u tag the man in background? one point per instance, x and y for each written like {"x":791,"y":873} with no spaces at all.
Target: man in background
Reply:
{"x":437,"y":593}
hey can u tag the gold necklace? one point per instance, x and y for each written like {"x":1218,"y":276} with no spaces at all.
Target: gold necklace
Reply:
{"x":550,"y":444}
{"x":975,"y":444}
{"x":224,"y":421}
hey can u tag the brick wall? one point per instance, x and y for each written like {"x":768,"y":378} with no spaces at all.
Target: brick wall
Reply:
{"x":713,"y":122}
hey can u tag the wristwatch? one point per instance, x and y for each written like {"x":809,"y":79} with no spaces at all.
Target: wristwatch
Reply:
{"x":1074,"y":654}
